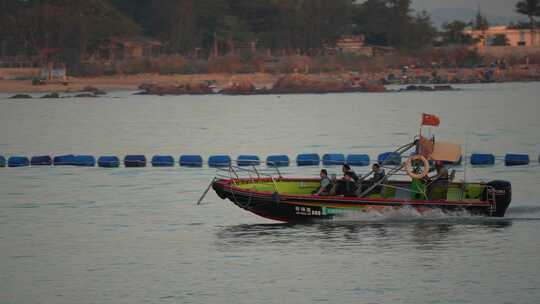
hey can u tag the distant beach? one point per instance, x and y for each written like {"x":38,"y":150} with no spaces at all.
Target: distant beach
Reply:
{"x":130,"y":82}
{"x":12,"y":81}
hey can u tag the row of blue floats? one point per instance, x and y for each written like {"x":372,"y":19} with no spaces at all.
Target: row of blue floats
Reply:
{"x":312,"y":159}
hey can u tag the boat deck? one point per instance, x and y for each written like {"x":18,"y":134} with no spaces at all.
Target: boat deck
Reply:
{"x":400,"y":190}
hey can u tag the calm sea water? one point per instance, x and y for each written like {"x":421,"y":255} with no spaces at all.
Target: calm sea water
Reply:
{"x":89,"y":235}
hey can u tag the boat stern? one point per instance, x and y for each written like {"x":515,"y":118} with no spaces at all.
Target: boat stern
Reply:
{"x":503,"y":196}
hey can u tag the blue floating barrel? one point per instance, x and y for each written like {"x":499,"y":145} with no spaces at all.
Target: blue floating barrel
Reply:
{"x":84,"y":161}
{"x":310,"y":159}
{"x":333,"y":159}
{"x":64,"y":160}
{"x":482,"y":159}
{"x":277,"y":161}
{"x":2,"y":162}
{"x":108,"y":162}
{"x":163,"y":161}
{"x":41,"y":160}
{"x":389,"y":158}
{"x":135,"y":161}
{"x":191,"y":161}
{"x":359,"y":160}
{"x":18,"y":161}
{"x":516,"y":160}
{"x":216,"y":161}
{"x":248,"y":160}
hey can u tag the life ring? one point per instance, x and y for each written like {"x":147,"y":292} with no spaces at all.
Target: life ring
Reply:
{"x":411,"y":170}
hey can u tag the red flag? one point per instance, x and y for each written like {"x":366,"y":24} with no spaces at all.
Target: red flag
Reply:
{"x":430,"y":120}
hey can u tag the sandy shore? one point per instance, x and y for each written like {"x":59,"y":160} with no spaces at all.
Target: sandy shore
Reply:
{"x":131,"y":82}
{"x":260,"y":80}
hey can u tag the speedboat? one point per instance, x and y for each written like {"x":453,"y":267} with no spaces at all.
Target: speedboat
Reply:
{"x":292,"y":200}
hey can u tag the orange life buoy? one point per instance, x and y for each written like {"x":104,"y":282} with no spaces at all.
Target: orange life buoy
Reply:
{"x":410,"y":169}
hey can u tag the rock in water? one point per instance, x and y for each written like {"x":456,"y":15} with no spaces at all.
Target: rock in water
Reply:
{"x":51,"y":95}
{"x":21,"y":96}
{"x":181,"y":89}
{"x":85,"y":95}
{"x":239,"y":88}
{"x":297,"y":83}
{"x":93,"y":90}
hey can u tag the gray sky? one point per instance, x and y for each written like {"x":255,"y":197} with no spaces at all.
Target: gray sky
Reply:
{"x":490,"y":7}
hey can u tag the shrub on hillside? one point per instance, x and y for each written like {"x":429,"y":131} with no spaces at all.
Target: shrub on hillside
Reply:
{"x":92,"y":70}
{"x":172,"y":64}
{"x":326,"y":64}
{"x":133,"y":67}
{"x":225,"y":64}
{"x":195,"y":66}
{"x":290,"y":64}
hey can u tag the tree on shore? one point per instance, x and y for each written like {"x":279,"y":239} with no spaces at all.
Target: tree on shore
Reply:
{"x":174,"y":22}
{"x":288,"y":26}
{"x":186,"y":27}
{"x":454,"y":33}
{"x":392,"y":23}
{"x":480,"y":23}
{"x":530,"y":8}
{"x":71,"y":26}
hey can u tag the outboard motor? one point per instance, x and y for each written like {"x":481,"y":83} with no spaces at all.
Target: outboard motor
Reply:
{"x":503,"y":196}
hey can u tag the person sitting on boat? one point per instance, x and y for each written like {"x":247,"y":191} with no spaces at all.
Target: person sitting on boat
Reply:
{"x":440,"y":180}
{"x":346,"y":168}
{"x":378,"y":175}
{"x":442,"y":172}
{"x":346,"y":186}
{"x":326,"y":184}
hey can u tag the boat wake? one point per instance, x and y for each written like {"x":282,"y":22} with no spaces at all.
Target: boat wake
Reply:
{"x":529,"y":210}
{"x":411,"y":215}
{"x":523,"y":213}
{"x":406,"y":214}
{"x":406,"y":217}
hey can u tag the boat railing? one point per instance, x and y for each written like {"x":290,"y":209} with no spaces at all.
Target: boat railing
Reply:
{"x":235,"y":173}
{"x":393,"y":170}
{"x":400,"y":151}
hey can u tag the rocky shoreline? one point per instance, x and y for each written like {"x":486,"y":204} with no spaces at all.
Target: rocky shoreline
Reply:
{"x":242,"y":89}
{"x":87,"y":92}
{"x":288,"y":84}
{"x":262,"y":83}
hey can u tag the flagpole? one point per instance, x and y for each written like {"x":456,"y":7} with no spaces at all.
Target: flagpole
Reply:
{"x":420,"y":138}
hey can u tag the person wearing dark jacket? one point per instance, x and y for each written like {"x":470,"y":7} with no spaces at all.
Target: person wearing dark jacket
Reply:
{"x":346,"y":186}
{"x":439,"y":181}
{"x":346,"y":168}
{"x":378,"y":176}
{"x":378,"y":173}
